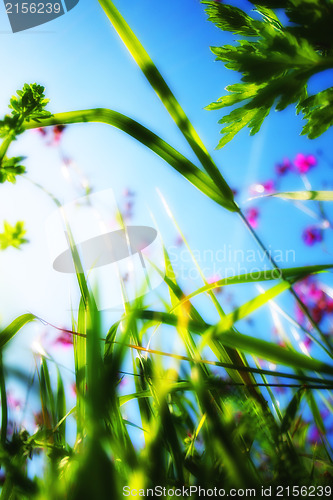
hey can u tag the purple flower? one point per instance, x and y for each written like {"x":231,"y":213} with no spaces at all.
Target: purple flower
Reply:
{"x":303,"y":163}
{"x":65,"y":338}
{"x":312,"y":235}
{"x":284,"y":167}
{"x":252,"y":215}
{"x":314,"y":435}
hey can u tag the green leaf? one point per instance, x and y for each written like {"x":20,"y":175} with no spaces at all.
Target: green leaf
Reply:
{"x":163,"y":91}
{"x":229,"y":18}
{"x":276,"y":65}
{"x":10,"y":168}
{"x":265,"y":275}
{"x":11,"y":330}
{"x":272,"y":352}
{"x":248,"y":308}
{"x":291,"y":411}
{"x":318,"y":111}
{"x":302,"y":195}
{"x":13,"y":236}
{"x":186,"y":168}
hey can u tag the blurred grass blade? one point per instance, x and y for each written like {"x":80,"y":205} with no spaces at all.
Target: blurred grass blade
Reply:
{"x":249,"y":307}
{"x":272,"y":352}
{"x":163,"y":91}
{"x":266,"y":275}
{"x":4,"y":405}
{"x":11,"y":330}
{"x":61,"y":408}
{"x":291,"y":411}
{"x":302,"y":195}
{"x":142,"y":134}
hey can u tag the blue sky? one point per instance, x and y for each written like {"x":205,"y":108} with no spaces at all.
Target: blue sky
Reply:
{"x":83,"y":64}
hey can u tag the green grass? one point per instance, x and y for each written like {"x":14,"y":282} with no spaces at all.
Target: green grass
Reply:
{"x":212,"y":418}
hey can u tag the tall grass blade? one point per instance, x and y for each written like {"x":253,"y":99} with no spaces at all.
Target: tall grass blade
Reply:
{"x":142,"y":134}
{"x":163,"y":91}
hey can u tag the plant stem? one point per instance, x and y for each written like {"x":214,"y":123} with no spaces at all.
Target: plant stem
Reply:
{"x":303,"y":308}
{"x":5,"y":144}
{"x":4,"y":408}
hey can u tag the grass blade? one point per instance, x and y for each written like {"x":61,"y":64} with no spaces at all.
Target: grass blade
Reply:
{"x":266,"y":275}
{"x":163,"y":91}
{"x":302,"y":195}
{"x":11,"y":330}
{"x":142,"y":134}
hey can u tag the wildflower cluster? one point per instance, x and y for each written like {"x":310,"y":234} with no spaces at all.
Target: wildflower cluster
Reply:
{"x":317,"y":301}
{"x":301,"y":166}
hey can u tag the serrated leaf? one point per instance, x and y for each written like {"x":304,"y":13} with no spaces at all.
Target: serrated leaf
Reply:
{"x":279,"y":61}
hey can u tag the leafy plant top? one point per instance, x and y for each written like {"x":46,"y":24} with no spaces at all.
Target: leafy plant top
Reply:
{"x":275,"y":61}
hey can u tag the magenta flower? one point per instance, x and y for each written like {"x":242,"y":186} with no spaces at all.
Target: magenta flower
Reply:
{"x":315,"y":299}
{"x":308,"y":343}
{"x":312,"y":235}
{"x":65,"y":339}
{"x":314,"y":435}
{"x":303,"y":163}
{"x":179,"y":240}
{"x":41,"y":131}
{"x":252,"y":215}
{"x":263,"y":187}
{"x":284,"y":167}
{"x":57,"y":133}
{"x":299,"y":315}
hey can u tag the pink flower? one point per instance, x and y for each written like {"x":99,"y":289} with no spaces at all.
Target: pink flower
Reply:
{"x":312,"y":235}
{"x":269,"y":186}
{"x":128,"y":193}
{"x":13,"y":402}
{"x":317,"y":314}
{"x":315,"y":293}
{"x":284,"y":167}
{"x":299,"y":315}
{"x":308,"y":343}
{"x":41,"y":131}
{"x":65,"y":339}
{"x":303,"y":163}
{"x":179,"y":240}
{"x":252,"y":215}
{"x":264,"y":187}
{"x":57,"y":133}
{"x":314,"y":435}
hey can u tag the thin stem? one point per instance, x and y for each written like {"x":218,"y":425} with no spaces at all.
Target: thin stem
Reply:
{"x":303,"y":308}
{"x":4,"y":407}
{"x":5,"y":144}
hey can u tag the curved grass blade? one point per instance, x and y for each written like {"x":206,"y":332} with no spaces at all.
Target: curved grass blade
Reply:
{"x":163,"y":91}
{"x":249,"y":307}
{"x":272,"y":352}
{"x":149,"y":139}
{"x":266,"y":275}
{"x":11,"y":330}
{"x":301,"y":195}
